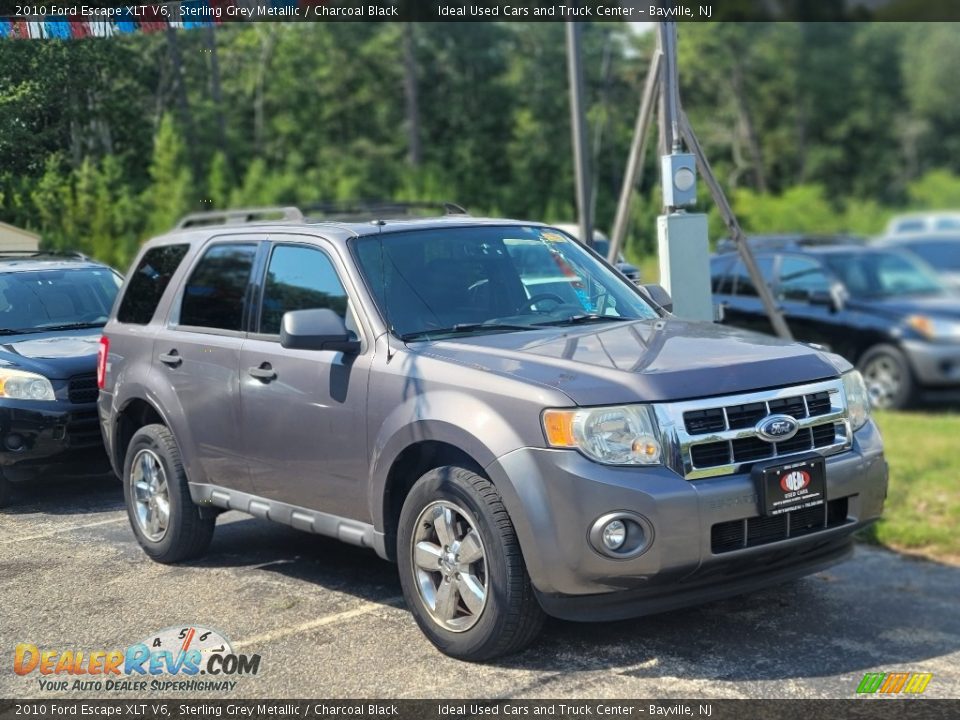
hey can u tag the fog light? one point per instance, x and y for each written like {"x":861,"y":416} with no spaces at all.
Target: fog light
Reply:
{"x":13,"y":442}
{"x":621,"y":534}
{"x":614,"y":534}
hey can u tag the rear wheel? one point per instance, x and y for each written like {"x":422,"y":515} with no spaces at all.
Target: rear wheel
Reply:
{"x":166,"y":522}
{"x":889,"y":379}
{"x":461,"y":568}
{"x":6,"y":490}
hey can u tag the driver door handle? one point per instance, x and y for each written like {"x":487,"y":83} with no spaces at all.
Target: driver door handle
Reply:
{"x":171,"y":358}
{"x":265,"y":372}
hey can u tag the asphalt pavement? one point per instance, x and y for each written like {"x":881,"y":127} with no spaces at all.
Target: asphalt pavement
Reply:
{"x":328,"y":620}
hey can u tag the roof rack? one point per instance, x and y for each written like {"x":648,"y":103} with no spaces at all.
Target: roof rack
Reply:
{"x":361,"y":211}
{"x":240,"y":217}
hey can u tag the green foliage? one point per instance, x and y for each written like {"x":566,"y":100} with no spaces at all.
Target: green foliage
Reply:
{"x":936,"y":190}
{"x":818,"y":127}
{"x":170,"y":194}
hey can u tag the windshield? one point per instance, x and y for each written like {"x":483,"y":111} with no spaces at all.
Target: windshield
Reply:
{"x":880,"y":274}
{"x":941,"y":254}
{"x":36,"y":300}
{"x":494,"y":279}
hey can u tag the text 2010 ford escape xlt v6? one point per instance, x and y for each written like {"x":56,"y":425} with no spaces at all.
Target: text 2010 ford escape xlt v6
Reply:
{"x":488,"y":404}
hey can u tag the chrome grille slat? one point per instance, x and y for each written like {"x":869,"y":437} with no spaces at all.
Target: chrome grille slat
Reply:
{"x":699,"y":454}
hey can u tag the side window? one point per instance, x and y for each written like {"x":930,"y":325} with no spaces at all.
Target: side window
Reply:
{"x":799,"y":277}
{"x":214,"y":294}
{"x":299,"y":278}
{"x":148,"y":282}
{"x":743,"y":283}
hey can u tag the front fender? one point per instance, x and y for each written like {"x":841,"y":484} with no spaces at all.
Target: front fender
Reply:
{"x":456,"y":418}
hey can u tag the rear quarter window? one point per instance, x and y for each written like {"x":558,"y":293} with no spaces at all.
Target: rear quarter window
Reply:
{"x":148,"y":283}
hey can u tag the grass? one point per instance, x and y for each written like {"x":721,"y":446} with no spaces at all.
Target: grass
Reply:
{"x":923,"y":506}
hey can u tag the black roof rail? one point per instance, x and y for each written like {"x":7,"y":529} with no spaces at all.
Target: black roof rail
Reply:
{"x":75,"y":255}
{"x":364,"y":210}
{"x":240,"y":216}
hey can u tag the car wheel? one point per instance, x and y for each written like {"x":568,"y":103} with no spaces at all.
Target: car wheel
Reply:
{"x":6,"y":491}
{"x":461,"y":568}
{"x":888,"y":377}
{"x":167,"y":523}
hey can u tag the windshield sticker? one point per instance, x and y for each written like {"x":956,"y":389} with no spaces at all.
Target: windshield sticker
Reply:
{"x":552,"y":237}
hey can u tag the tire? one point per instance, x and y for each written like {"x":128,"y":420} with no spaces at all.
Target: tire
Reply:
{"x":153,"y":471}
{"x":6,"y":491}
{"x":888,"y":376}
{"x":446,"y":602}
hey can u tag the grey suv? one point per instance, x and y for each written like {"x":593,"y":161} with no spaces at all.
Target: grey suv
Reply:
{"x":490,"y":405}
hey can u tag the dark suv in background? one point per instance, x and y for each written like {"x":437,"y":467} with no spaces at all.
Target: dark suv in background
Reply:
{"x":487,"y":403}
{"x":882,"y":309}
{"x":52,"y":309}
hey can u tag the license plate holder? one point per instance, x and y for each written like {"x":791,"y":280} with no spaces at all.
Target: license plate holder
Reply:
{"x":795,"y":485}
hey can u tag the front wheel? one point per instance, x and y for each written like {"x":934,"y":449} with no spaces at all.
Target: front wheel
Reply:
{"x":889,"y":379}
{"x":461,"y":568}
{"x":166,"y":522}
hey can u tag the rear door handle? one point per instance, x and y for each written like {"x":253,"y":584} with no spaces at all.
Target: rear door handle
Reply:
{"x":171,"y":358}
{"x":265,"y":372}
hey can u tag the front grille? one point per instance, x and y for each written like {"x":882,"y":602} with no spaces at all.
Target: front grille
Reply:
{"x":718,"y":436}
{"x":83,"y":389}
{"x":701,"y":422}
{"x":83,"y":429}
{"x":739,"y":534}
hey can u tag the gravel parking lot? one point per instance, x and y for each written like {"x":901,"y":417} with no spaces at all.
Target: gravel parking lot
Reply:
{"x":328,"y":619}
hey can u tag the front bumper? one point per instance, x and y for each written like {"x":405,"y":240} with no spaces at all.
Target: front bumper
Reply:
{"x":40,"y":434}
{"x":935,"y":364}
{"x":554,"y":497}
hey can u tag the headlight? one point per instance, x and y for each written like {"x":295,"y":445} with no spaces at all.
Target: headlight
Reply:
{"x":619,"y":435}
{"x":934,"y":328}
{"x":858,"y":398}
{"x":20,"y":385}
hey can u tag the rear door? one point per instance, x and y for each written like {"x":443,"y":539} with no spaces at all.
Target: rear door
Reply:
{"x":303,"y":412}
{"x":740,"y":303}
{"x":198,"y":353}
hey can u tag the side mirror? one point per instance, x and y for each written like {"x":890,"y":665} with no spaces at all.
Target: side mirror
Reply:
{"x":320,"y":329}
{"x":660,"y":296}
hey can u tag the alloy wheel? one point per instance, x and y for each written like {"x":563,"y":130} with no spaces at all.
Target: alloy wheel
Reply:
{"x":884,"y":378}
{"x":150,"y":495}
{"x":450,"y":565}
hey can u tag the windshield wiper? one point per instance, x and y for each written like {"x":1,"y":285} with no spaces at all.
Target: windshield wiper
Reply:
{"x":581,"y":319}
{"x":465,"y":328}
{"x":68,"y":326}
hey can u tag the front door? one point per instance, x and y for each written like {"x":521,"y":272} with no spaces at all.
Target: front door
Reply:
{"x":303,"y":411}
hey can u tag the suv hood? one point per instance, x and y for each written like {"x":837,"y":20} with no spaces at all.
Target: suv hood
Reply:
{"x":57,"y":355}
{"x":642,"y":361}
{"x":944,"y":306}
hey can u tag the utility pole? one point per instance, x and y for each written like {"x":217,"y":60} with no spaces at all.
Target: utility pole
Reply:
{"x":682,"y":237}
{"x":578,"y":126}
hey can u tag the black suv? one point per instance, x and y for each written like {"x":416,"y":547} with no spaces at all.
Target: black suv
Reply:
{"x":52,"y":308}
{"x":882,"y":309}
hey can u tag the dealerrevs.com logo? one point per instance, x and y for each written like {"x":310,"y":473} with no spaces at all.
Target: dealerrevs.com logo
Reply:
{"x":184,"y":659}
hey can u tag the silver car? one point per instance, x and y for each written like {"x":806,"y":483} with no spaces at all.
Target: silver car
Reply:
{"x":484,"y":402}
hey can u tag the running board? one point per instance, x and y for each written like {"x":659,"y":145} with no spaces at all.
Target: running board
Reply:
{"x":344,"y":529}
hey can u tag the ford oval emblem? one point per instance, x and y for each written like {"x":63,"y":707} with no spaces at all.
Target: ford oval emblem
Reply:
{"x":777,"y":428}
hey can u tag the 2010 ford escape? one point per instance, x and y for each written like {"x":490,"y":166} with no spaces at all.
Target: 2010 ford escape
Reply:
{"x":490,"y":405}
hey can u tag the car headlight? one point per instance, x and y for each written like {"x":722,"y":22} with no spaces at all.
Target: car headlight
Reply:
{"x":934,"y":328}
{"x":858,"y":398}
{"x":617,"y":435}
{"x":21,"y":385}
